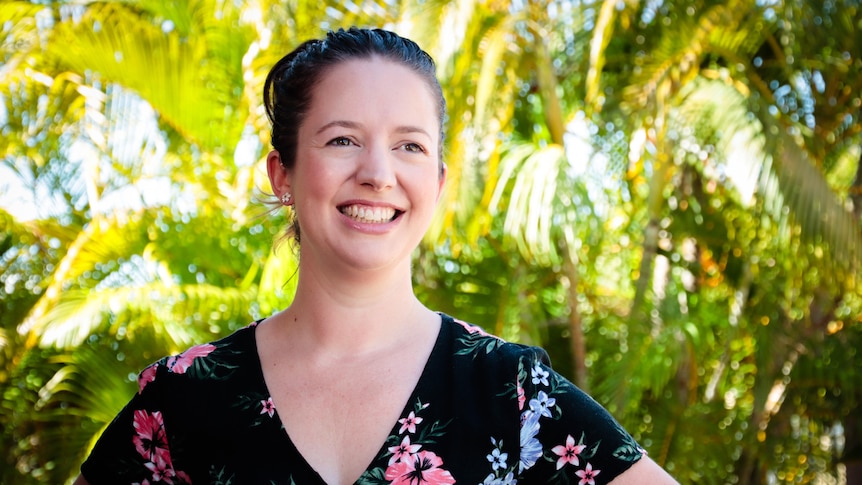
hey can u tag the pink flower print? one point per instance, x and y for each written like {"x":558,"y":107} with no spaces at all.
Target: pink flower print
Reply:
{"x":587,"y":475}
{"x":418,"y":469}
{"x":147,"y":376}
{"x":471,"y":329}
{"x":162,"y":469}
{"x":180,"y":364}
{"x":268,"y":406}
{"x":145,"y":482}
{"x":568,"y":453}
{"x":405,"y":449}
{"x":522,"y":397}
{"x":150,"y":440}
{"x":409,"y":423}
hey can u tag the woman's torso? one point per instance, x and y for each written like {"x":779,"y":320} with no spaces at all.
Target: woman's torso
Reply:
{"x":483,"y":411}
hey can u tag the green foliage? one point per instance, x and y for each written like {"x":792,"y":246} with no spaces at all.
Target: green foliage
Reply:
{"x":659,"y":193}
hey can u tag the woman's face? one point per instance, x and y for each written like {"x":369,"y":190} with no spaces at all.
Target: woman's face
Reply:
{"x":366,"y":179}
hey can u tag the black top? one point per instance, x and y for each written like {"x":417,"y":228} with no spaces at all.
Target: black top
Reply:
{"x":484,"y":411}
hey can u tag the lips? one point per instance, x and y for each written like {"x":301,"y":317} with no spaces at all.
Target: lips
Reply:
{"x":369,"y":215}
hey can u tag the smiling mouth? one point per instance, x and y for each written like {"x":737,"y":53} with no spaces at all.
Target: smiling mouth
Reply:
{"x":370,"y":215}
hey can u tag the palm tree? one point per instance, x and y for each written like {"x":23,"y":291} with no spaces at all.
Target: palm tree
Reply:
{"x":638,"y":186}
{"x":731,"y":214}
{"x":125,"y":279}
{"x":147,"y":104}
{"x":694,"y":99}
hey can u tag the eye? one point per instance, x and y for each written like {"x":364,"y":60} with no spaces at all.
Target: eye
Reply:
{"x":341,"y":141}
{"x":413,"y":148}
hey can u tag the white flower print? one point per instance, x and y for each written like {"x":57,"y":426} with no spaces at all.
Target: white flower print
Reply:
{"x":539,"y":375}
{"x":531,"y":448}
{"x":542,"y":404}
{"x":498,"y":459}
{"x":509,"y":479}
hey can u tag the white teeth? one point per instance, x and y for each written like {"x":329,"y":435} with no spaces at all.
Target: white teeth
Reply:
{"x":366,"y":214}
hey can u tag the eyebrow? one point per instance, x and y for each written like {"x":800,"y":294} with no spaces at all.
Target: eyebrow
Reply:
{"x":341,"y":123}
{"x":353,"y":125}
{"x":412,"y":129}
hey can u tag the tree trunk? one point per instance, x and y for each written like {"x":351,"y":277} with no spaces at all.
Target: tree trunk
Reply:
{"x":852,"y":458}
{"x":577,"y":342}
{"x":856,"y":191}
{"x":655,"y":206}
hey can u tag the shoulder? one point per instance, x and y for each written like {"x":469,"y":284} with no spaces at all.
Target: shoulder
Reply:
{"x":204,"y":361}
{"x":472,"y":341}
{"x":565,"y":435}
{"x":492,"y":359}
{"x":645,"y":472}
{"x":181,"y":399}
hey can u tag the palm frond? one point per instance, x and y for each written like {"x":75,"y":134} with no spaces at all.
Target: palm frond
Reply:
{"x":535,"y":191}
{"x":100,"y":241}
{"x":176,"y":77}
{"x":677,"y":59}
{"x":182,"y":313}
{"x":22,"y":37}
{"x":79,"y":400}
{"x":778,"y":168}
{"x":601,"y":37}
{"x":426,"y":23}
{"x":791,"y":180}
{"x":278,"y":281}
{"x":480,"y":85}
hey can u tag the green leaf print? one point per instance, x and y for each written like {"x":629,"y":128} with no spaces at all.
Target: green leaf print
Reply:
{"x":219,"y":477}
{"x":376,"y":476}
{"x":474,"y":343}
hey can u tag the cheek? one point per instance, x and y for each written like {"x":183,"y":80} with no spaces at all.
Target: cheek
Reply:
{"x":316,"y":179}
{"x":426,"y":192}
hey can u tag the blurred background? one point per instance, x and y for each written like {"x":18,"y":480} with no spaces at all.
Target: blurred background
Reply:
{"x":666,"y":194}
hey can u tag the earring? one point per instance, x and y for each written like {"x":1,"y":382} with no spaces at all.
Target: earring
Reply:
{"x":285,"y":198}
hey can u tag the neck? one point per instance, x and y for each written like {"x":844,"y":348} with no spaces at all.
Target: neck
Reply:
{"x":354,"y":315}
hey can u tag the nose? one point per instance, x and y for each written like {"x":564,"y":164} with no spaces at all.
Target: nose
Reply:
{"x":376,"y":168}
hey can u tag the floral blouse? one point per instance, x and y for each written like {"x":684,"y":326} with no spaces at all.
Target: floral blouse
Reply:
{"x":483,"y":412}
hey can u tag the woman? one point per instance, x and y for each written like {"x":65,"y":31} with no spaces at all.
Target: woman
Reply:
{"x":357,"y":381}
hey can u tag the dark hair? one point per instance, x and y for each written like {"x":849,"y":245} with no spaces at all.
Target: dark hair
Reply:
{"x":288,"y":89}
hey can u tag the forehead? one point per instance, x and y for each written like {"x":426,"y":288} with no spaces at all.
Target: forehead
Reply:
{"x":374,"y":87}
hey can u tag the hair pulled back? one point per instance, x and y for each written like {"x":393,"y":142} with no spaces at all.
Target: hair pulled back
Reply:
{"x":289,"y":85}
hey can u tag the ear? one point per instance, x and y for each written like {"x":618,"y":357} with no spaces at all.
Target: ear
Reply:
{"x":279,"y":178}
{"x":442,"y":180}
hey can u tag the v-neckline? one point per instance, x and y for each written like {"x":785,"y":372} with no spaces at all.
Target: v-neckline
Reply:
{"x":430,"y":364}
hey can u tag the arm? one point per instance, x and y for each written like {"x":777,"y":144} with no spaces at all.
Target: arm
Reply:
{"x":644,"y":472}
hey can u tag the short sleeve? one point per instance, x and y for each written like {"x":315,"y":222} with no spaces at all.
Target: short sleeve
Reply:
{"x":136,"y":446}
{"x":565,"y":435}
